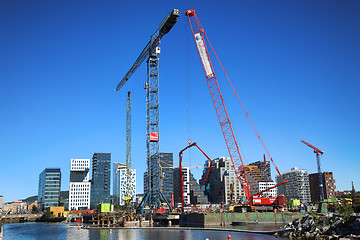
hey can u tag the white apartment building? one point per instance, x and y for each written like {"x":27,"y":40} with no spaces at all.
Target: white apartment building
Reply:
{"x":80,"y":185}
{"x":186,"y":184}
{"x":120,"y":184}
{"x":297,"y":187}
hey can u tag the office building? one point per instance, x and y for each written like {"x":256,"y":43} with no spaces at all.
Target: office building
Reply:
{"x":80,"y":185}
{"x":297,"y":186}
{"x":49,"y":188}
{"x":328,"y":186}
{"x":162,"y":178}
{"x":192,"y":192}
{"x":260,"y":180}
{"x":120,"y":184}
{"x":100,"y":182}
{"x":222,"y":184}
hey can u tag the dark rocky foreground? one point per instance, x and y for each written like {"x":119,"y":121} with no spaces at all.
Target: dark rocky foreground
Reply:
{"x":322,"y":227}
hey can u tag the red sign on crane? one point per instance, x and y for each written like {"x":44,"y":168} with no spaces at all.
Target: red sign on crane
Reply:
{"x":154,"y":136}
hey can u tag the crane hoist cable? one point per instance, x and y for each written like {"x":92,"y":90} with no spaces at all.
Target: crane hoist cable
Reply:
{"x":243,"y":107}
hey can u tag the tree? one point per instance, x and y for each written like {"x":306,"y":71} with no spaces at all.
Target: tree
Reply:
{"x":34,"y":209}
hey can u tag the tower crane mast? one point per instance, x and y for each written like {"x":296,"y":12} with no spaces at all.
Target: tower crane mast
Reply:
{"x":153,"y":196}
{"x":128,"y":148}
{"x":318,"y":152}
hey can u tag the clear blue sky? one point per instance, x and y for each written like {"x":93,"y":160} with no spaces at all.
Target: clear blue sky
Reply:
{"x":295,"y":65}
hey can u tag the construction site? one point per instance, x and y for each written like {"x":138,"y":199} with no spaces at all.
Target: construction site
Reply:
{"x":227,"y":189}
{"x":248,"y":187}
{"x":135,"y":116}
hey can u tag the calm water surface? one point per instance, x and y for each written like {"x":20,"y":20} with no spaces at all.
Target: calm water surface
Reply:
{"x":27,"y":231}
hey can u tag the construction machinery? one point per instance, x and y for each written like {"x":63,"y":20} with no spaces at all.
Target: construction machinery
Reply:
{"x":317,"y":152}
{"x":182,"y":172}
{"x":200,"y":38}
{"x":153,"y":195}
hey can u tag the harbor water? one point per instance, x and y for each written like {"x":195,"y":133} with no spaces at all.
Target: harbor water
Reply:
{"x":44,"y":231}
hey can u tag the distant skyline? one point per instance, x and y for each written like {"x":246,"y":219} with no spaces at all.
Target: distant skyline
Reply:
{"x":294,"y":64}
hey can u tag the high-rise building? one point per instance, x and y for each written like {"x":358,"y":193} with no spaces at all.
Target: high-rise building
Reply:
{"x":120,"y":184}
{"x":80,"y":185}
{"x":328,"y":186}
{"x":162,"y":178}
{"x":222,"y":184}
{"x":297,"y":186}
{"x":260,"y":181}
{"x":100,"y":182}
{"x":49,"y":188}
{"x":192,"y":192}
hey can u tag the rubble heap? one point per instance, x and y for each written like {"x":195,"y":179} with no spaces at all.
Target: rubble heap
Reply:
{"x":322,"y":227}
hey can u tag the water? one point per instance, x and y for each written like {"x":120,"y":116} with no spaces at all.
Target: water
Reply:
{"x":45,"y":231}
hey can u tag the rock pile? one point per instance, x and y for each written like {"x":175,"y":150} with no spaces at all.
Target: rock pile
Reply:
{"x":322,"y":227}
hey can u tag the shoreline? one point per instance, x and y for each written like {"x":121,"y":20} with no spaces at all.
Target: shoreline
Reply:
{"x":267,"y":232}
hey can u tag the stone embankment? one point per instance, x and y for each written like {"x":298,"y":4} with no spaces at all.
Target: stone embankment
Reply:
{"x":323,"y":227}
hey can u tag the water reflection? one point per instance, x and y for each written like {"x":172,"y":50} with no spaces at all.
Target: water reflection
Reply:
{"x":40,"y":231}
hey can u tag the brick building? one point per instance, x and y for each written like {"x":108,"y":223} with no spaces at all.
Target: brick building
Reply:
{"x":328,"y":186}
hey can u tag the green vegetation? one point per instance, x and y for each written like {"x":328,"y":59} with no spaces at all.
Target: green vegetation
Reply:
{"x":346,"y":210}
{"x":47,"y":213}
{"x":34,"y":209}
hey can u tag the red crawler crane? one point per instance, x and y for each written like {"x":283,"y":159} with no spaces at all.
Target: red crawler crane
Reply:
{"x":199,"y":35}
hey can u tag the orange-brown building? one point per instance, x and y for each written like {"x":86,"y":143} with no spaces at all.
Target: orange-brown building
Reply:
{"x":30,"y":206}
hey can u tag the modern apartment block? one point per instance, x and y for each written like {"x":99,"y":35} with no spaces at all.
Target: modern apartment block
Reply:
{"x":328,"y":186}
{"x":162,"y":177}
{"x":16,"y":207}
{"x":260,"y":180}
{"x":192,"y":192}
{"x":297,"y":186}
{"x":263,"y":167}
{"x":100,"y":182}
{"x":120,"y":184}
{"x":222,"y":184}
{"x":80,"y":185}
{"x":49,"y":188}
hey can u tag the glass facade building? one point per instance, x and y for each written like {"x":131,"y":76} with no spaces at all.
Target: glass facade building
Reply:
{"x":100,"y":182}
{"x":49,"y":188}
{"x":162,"y":178}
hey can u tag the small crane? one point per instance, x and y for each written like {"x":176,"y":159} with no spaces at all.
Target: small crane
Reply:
{"x":317,"y":152}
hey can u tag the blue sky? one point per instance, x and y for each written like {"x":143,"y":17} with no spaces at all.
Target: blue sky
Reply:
{"x":295,"y":65}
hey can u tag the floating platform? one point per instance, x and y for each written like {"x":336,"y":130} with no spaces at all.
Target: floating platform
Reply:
{"x":223,"y":219}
